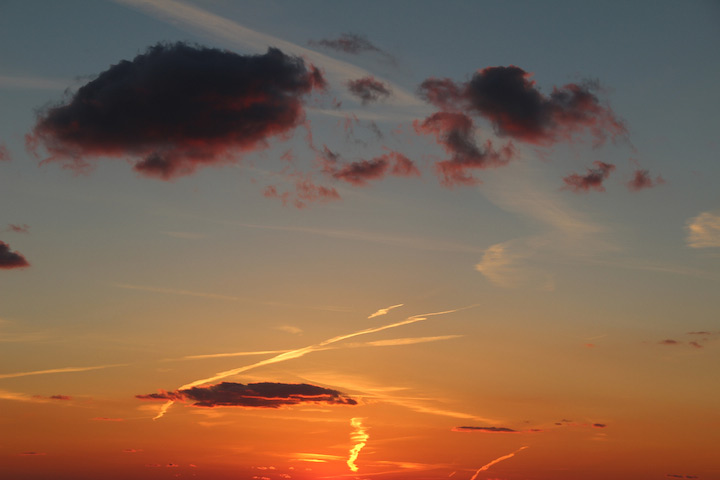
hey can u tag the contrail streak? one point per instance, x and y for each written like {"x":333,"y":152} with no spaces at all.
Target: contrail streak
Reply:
{"x":61,"y":370}
{"x":300,"y":352}
{"x":360,"y":437}
{"x":384,"y":311}
{"x":497,"y":460}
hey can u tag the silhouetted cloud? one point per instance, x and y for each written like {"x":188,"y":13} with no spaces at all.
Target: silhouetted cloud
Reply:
{"x":592,"y":180}
{"x":672,"y":475}
{"x":669,"y":341}
{"x":703,"y":332}
{"x":516,"y":108}
{"x":695,"y":344}
{"x":178,"y":107}
{"x":10,"y":259}
{"x":368,"y":89}
{"x":253,"y":395}
{"x":455,"y":132}
{"x":484,"y":429}
{"x":53,"y":397}
{"x":704,"y":230}
{"x":599,"y":425}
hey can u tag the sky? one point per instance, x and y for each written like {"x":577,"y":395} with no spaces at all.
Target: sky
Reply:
{"x":397,"y":240}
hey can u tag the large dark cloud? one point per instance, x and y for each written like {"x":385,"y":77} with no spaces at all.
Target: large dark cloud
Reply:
{"x":516,"y":108}
{"x":456,"y":133}
{"x":178,"y":107}
{"x":254,"y":395}
{"x":368,"y":89}
{"x":592,"y":180}
{"x":10,"y":259}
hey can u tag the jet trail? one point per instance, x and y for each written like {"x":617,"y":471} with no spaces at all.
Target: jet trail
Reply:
{"x":61,"y":370}
{"x":497,"y":460}
{"x":300,"y":352}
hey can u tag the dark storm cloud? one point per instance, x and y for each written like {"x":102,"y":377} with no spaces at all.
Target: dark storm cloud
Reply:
{"x":516,"y":108}
{"x":254,"y":395}
{"x":360,"y":172}
{"x":485,"y":429}
{"x":642,"y":180}
{"x":368,"y":89}
{"x":455,"y":133}
{"x":178,"y":107}
{"x":592,"y":180}
{"x":10,"y":259}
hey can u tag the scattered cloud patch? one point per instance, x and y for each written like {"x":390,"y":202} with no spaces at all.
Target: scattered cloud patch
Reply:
{"x":368,"y":89}
{"x":254,"y":395}
{"x":669,"y":341}
{"x":359,"y":173}
{"x":10,"y":259}
{"x":592,"y":180}
{"x":704,"y":230}
{"x":178,"y":107}
{"x":455,"y":132}
{"x":18,"y":228}
{"x":510,"y":100}
{"x":641,"y":180}
{"x":53,"y":397}
{"x":4,"y":153}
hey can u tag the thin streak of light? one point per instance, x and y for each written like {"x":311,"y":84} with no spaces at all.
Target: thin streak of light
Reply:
{"x":360,"y":437}
{"x":384,"y":311}
{"x":236,"y":354}
{"x":300,"y":352}
{"x":497,"y":460}
{"x":172,"y":291}
{"x":61,"y":370}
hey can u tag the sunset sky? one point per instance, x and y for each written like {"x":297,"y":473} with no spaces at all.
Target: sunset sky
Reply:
{"x":397,"y":240}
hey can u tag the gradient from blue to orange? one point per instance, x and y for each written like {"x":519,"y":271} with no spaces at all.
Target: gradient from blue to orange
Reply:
{"x":524,"y":327}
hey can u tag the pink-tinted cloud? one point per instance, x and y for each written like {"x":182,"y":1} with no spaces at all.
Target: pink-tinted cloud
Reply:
{"x":254,"y":395}
{"x":392,"y":163}
{"x":368,"y":89}
{"x":4,"y":153}
{"x":18,"y":228}
{"x":510,"y":100}
{"x":592,"y":180}
{"x":305,"y":191}
{"x":455,"y":133}
{"x":10,"y":259}
{"x":642,"y":180}
{"x":178,"y":107}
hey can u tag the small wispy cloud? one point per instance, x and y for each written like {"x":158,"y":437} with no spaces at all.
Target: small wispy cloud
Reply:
{"x":289,"y":329}
{"x":704,"y":230}
{"x":173,"y":291}
{"x":61,"y":370}
{"x":384,"y":311}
